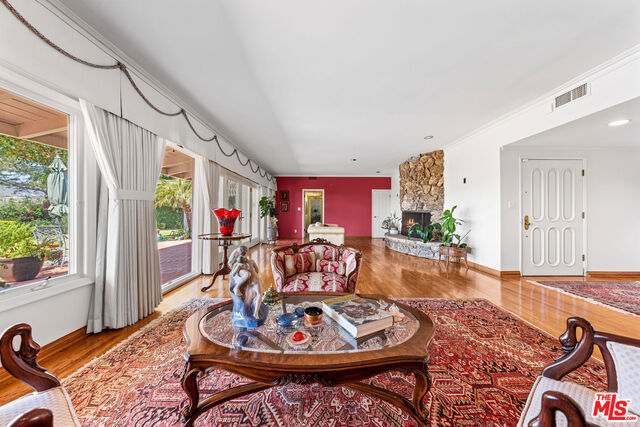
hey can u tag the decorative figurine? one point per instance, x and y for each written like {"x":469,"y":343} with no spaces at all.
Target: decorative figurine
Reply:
{"x":245,"y":287}
{"x":271,"y":296}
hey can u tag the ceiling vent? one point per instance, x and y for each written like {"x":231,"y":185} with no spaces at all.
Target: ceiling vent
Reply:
{"x":572,"y":95}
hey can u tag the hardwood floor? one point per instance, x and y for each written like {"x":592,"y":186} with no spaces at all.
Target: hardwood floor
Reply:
{"x":383,"y":272}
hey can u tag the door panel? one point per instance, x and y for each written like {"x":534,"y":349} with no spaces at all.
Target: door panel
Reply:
{"x":552,"y":201}
{"x":381,"y":201}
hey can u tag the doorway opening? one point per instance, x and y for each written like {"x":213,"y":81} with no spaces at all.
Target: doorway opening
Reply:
{"x":173,"y":202}
{"x":312,"y":208}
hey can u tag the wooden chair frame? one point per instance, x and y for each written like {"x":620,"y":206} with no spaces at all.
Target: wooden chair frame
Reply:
{"x":576,"y":353}
{"x":22,"y":365}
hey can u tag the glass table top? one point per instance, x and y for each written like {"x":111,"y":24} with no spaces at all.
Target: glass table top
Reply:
{"x":327,"y":337}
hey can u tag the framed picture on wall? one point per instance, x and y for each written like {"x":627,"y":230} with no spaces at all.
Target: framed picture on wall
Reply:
{"x":284,"y":206}
{"x":284,"y":196}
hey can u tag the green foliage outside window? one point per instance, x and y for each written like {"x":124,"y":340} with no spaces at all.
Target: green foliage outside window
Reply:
{"x":16,"y":241}
{"x":24,"y":164}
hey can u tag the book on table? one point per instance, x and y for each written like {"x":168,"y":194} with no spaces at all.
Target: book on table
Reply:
{"x":356,"y":315}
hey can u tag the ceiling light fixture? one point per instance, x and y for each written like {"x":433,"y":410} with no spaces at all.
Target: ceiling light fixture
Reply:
{"x":619,"y":122}
{"x":428,"y":137}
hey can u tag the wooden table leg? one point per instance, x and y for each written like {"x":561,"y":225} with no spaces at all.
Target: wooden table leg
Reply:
{"x":417,"y":412}
{"x":222,"y":272}
{"x":190,"y":387}
{"x":419,"y":392}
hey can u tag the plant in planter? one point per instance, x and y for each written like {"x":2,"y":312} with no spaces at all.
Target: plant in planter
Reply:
{"x":390,"y":224}
{"x":21,"y":256}
{"x":449,"y":226}
{"x":427,"y":234}
{"x":268,"y":209}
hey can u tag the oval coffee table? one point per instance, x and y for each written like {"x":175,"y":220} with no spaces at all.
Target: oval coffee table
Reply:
{"x":331,"y":357}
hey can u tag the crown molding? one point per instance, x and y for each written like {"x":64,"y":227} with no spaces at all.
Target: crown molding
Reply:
{"x":333,"y":175}
{"x":615,"y":148}
{"x":605,"y":68}
{"x":66,"y":15}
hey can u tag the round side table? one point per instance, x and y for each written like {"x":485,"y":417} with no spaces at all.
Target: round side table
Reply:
{"x":225,"y":241}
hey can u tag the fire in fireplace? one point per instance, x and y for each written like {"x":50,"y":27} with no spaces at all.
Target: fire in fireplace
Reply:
{"x":414,"y":217}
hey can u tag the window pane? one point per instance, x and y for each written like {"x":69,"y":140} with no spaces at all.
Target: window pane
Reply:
{"x":34,"y":192}
{"x":232,"y":195}
{"x":174,"y":195}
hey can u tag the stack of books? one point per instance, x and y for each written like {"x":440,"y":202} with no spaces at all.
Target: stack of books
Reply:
{"x":356,"y":315}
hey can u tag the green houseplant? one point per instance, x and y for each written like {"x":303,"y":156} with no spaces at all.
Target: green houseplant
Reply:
{"x":427,"y":233}
{"x":449,"y":226}
{"x":268,"y":209}
{"x":390,"y":224}
{"x":21,"y":256}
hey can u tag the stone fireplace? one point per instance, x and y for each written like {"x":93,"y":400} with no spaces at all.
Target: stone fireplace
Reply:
{"x":422,"y":183}
{"x":414,"y":217}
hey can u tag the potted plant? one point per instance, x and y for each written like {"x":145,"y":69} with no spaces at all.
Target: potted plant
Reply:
{"x":452,"y":244}
{"x":268,"y":209}
{"x":390,"y":224}
{"x":20,"y":254}
{"x":428,"y":233}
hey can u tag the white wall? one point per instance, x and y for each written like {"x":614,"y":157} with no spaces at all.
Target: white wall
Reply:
{"x":477,"y":156}
{"x":52,"y":313}
{"x":612,"y":182}
{"x":395,"y":192}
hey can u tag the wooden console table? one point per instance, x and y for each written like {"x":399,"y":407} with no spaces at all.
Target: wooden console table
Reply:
{"x":225,"y":241}
{"x":453,"y":252}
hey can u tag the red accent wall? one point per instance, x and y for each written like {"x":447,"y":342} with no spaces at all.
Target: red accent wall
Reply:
{"x":347,"y":202}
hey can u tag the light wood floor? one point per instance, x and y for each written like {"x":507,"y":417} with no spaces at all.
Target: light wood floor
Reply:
{"x":383,"y":272}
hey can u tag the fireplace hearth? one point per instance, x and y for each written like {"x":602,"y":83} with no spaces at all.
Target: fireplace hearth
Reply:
{"x":414,"y":217}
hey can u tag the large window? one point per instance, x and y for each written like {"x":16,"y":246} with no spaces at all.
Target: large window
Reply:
{"x":174,"y":216}
{"x":35,"y":232}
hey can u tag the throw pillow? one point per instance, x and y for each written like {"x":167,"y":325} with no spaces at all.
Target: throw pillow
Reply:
{"x":299,"y":263}
{"x":326,"y":266}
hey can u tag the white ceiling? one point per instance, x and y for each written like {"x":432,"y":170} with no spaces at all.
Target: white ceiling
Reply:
{"x":303,"y":87}
{"x":593,"y":130}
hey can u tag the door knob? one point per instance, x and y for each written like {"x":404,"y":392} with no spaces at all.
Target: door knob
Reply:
{"x":526,"y":222}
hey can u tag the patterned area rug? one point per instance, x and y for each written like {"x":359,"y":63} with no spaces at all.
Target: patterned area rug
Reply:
{"x":621,"y":296}
{"x":483,"y":362}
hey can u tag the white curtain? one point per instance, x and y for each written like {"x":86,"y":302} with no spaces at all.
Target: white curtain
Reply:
{"x":264,"y":192}
{"x":128,"y":284}
{"x":205,"y":199}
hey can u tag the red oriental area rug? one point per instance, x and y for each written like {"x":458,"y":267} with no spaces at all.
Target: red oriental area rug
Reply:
{"x":621,"y":296}
{"x":483,"y":362}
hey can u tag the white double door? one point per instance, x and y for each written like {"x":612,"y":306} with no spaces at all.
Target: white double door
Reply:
{"x":552,"y":217}
{"x":381,"y":208}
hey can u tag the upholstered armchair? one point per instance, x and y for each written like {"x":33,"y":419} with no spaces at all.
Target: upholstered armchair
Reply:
{"x":49,"y":405}
{"x":554,"y":402}
{"x":315,"y":266}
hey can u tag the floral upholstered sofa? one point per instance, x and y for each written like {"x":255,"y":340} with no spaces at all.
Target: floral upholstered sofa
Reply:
{"x":315,"y":266}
